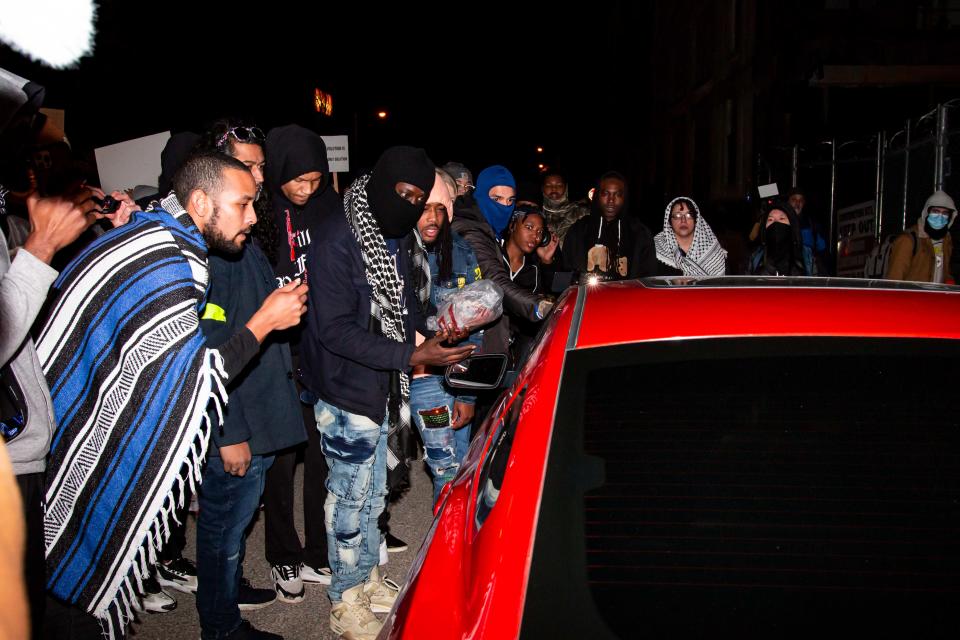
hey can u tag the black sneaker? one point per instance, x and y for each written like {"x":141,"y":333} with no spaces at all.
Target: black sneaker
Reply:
{"x":247,"y":631}
{"x":394,"y":544}
{"x":250,"y":598}
{"x":181,"y":574}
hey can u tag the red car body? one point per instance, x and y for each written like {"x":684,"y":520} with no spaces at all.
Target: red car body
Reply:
{"x":470,"y":583}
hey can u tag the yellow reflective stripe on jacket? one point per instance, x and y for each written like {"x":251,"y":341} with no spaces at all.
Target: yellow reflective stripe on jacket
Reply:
{"x":214,"y":312}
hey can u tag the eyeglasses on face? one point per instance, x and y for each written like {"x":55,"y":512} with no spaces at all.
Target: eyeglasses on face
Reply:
{"x":686,"y":215}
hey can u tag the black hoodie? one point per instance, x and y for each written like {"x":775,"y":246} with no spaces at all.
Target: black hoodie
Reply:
{"x":625,"y":237}
{"x":291,"y":151}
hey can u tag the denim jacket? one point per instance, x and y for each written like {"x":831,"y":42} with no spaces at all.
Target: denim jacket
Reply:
{"x":465,"y":271}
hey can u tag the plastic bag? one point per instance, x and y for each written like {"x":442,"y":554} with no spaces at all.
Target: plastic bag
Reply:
{"x":477,"y":304}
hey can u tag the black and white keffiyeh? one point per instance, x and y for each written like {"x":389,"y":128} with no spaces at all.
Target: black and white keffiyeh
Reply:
{"x":705,"y":258}
{"x":386,"y":308}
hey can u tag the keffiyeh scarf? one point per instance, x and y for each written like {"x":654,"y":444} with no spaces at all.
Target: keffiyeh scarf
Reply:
{"x":386,"y":312}
{"x":705,"y":258}
{"x":131,"y":380}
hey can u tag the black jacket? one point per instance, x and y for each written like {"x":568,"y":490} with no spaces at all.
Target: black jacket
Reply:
{"x":342,"y":360}
{"x":635,"y":242}
{"x":469,"y":223}
{"x":263,"y":408}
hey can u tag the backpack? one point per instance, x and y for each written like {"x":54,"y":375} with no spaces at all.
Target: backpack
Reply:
{"x":879,"y":256}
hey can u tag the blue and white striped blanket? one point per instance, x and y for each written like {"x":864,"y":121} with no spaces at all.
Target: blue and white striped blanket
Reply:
{"x":131,"y":380}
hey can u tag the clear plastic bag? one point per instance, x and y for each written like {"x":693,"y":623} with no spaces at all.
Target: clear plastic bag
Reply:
{"x":475,"y":305}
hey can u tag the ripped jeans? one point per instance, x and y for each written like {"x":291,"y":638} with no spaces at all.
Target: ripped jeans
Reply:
{"x":431,"y":408}
{"x":356,"y":451}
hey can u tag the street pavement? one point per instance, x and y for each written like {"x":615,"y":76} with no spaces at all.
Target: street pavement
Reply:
{"x":410,"y":518}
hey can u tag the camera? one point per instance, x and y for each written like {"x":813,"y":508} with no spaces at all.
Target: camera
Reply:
{"x":107,"y":204}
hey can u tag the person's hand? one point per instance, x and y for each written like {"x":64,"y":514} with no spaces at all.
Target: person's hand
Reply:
{"x":546,"y":253}
{"x":543,"y":308}
{"x":127,"y":206}
{"x":281,"y":310}
{"x":57,"y":221}
{"x":462,"y":414}
{"x":236,"y":458}
{"x":432,"y":351}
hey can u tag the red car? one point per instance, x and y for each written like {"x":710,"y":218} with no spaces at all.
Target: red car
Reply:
{"x":677,"y":457}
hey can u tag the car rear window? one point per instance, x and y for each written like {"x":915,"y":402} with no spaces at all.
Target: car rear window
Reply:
{"x":759,"y":487}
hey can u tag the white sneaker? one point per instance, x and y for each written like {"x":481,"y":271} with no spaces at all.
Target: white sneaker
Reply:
{"x":318,"y":575}
{"x":352,"y":619}
{"x":384,"y":558}
{"x":381,"y":591}
{"x":155,"y":599}
{"x":287,"y":582}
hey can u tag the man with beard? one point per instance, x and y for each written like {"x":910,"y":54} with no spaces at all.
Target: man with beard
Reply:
{"x":357,"y":352}
{"x":922,"y":252}
{"x":131,"y":379}
{"x":559,"y":211}
{"x":608,"y":242}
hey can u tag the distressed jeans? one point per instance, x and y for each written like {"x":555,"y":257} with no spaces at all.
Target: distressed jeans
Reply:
{"x":356,"y":451}
{"x":432,"y":408}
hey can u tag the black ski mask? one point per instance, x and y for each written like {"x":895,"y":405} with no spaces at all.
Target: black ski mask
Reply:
{"x":396,"y":216}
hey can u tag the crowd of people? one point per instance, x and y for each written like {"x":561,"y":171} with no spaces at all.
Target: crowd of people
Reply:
{"x":199,"y":342}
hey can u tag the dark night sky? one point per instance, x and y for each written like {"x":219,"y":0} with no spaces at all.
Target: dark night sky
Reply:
{"x":480,"y":85}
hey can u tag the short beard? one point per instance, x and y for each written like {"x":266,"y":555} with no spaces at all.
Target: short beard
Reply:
{"x":215,"y":239}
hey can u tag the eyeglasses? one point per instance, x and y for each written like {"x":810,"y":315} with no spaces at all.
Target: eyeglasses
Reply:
{"x":243,"y":134}
{"x":682,"y":216}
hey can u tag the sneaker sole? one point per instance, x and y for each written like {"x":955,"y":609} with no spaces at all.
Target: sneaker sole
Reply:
{"x":290,"y":598}
{"x":173,"y":584}
{"x":397,"y":549}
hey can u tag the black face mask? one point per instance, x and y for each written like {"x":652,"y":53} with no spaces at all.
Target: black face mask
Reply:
{"x":395,"y":216}
{"x":779,"y":238}
{"x":936,"y":234}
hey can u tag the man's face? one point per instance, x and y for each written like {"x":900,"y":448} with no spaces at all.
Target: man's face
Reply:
{"x":502,"y":194}
{"x":431,"y":222}
{"x":682,"y":220}
{"x":611,"y":197}
{"x":797,"y":202}
{"x":299,"y":190}
{"x":252,"y":156}
{"x":554,"y":187}
{"x":232,"y":217}
{"x":463,"y":184}
{"x":410,"y":192}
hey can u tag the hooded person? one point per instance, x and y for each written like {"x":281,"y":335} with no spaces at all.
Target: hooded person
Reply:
{"x":358,"y":348}
{"x":481,"y":220}
{"x":298,"y":177}
{"x":781,"y":251}
{"x":922,"y":253}
{"x":610,"y":242}
{"x":687,"y":245}
{"x":559,"y":211}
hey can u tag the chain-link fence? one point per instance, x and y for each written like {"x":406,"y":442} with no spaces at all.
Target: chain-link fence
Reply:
{"x":887,"y":177}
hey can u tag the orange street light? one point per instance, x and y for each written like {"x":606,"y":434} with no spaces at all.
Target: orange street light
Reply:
{"x":382,"y":115}
{"x":539,"y":149}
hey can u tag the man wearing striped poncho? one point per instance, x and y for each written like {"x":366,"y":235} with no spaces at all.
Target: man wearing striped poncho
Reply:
{"x":131,"y":381}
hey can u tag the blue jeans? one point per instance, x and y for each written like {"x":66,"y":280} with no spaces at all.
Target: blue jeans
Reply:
{"x":227,"y":505}
{"x":431,"y":407}
{"x":356,"y":451}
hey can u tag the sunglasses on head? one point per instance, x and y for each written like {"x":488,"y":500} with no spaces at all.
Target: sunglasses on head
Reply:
{"x":242,"y":134}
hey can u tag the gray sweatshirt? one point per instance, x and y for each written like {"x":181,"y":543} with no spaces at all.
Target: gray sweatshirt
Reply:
{"x":23,"y":289}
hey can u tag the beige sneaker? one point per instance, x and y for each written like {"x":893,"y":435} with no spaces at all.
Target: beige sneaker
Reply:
{"x":351,"y":618}
{"x":381,"y":591}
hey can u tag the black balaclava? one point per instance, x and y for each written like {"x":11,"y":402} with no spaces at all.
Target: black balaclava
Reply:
{"x":395,"y":215}
{"x":782,"y":243}
{"x":291,"y":151}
